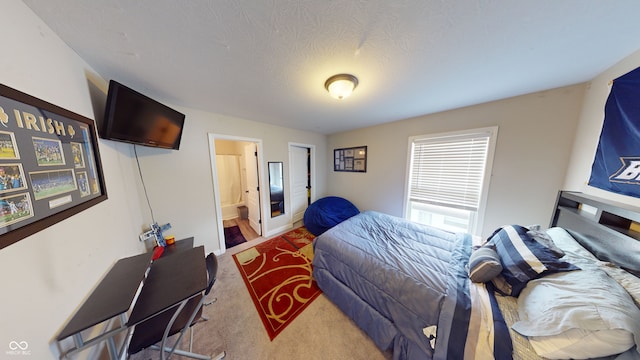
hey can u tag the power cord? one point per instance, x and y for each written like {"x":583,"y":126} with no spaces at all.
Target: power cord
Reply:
{"x":135,"y":150}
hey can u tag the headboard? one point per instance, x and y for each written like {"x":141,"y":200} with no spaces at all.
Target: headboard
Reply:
{"x":608,"y":229}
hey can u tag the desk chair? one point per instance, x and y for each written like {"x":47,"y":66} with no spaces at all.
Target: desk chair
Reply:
{"x":175,"y":320}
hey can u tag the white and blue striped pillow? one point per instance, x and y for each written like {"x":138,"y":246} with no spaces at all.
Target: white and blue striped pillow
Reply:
{"x":522,"y":259}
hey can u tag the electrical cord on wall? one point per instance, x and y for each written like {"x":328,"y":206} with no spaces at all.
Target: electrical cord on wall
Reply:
{"x":135,"y":150}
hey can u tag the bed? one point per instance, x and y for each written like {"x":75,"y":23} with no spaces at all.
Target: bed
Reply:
{"x":410,"y":287}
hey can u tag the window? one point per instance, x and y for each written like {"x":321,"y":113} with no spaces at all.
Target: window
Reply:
{"x":448,"y":178}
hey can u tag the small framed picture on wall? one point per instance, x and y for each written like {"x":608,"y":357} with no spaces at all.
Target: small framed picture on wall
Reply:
{"x":353,"y":159}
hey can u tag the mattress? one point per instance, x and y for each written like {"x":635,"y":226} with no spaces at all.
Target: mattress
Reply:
{"x":404,"y":284}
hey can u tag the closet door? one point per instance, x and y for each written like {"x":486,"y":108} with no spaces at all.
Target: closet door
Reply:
{"x":300,"y":184}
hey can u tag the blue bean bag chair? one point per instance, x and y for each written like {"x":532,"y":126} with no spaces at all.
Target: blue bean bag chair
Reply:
{"x":328,"y":212}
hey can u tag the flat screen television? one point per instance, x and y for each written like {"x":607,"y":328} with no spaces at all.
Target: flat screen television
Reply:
{"x":135,"y":118}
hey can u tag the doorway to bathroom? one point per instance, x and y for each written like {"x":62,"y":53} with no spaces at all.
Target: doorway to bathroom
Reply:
{"x":236,"y":176}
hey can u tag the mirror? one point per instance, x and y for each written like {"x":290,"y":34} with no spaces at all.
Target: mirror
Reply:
{"x":276,"y":188}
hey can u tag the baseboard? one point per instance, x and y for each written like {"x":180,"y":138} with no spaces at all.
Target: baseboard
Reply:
{"x":279,"y":230}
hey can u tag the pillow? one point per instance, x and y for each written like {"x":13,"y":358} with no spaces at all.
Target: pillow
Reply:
{"x":484,"y":264}
{"x":544,"y":239}
{"x":582,"y":344}
{"x":577,"y":314}
{"x":629,"y":282}
{"x":523,"y":258}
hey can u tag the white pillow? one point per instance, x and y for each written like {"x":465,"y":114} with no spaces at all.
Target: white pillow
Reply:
{"x":546,"y":240}
{"x":577,"y":309}
{"x":582,"y":344}
{"x":628,"y":281}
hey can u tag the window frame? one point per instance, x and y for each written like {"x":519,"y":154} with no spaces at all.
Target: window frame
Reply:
{"x":475,"y":228}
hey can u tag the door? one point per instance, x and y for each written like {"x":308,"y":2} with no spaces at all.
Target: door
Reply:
{"x":300,"y":181}
{"x":253,"y":188}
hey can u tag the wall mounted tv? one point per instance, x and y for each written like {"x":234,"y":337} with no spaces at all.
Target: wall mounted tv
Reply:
{"x":135,"y":118}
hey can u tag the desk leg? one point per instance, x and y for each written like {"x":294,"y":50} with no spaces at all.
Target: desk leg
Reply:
{"x":107,"y":335}
{"x":78,"y":341}
{"x":111,"y":346}
{"x":123,"y":355}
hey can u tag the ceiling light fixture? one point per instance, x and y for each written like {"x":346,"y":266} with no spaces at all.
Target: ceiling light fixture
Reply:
{"x":341,"y":86}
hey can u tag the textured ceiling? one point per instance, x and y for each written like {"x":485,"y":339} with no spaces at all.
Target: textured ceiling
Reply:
{"x":267,"y":60}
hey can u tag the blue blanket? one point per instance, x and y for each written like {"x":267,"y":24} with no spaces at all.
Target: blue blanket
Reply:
{"x":406,"y":286}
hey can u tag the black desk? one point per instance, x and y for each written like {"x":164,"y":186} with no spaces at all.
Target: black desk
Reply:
{"x":112,"y":297}
{"x":169,"y":302}
{"x":179,"y":245}
{"x":169,"y":281}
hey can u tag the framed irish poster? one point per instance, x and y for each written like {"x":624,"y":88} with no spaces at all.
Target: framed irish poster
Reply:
{"x":50,"y":165}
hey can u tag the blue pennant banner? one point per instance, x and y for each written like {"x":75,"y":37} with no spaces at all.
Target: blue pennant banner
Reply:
{"x":616,"y":167}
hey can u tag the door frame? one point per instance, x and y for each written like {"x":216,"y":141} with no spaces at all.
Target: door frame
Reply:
{"x":216,"y":190}
{"x":312,"y":169}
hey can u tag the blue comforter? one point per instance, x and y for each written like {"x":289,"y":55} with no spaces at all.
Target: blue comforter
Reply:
{"x":406,"y":286}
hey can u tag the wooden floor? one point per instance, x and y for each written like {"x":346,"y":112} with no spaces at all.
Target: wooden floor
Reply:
{"x":246,"y":229}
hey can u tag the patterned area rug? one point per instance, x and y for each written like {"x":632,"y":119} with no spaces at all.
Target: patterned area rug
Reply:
{"x":233,"y":236}
{"x":277,"y":273}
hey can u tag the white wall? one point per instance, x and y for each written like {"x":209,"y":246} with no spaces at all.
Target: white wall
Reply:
{"x":588,"y":132}
{"x":182,"y":186}
{"x":46,"y":276}
{"x":535,"y":137}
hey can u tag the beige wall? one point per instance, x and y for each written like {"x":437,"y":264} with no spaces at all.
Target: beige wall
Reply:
{"x":180,"y":183}
{"x":535,"y":137}
{"x":229,"y":147}
{"x":47,"y":275}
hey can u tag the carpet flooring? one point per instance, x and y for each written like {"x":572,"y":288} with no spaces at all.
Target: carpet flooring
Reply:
{"x":320,"y":332}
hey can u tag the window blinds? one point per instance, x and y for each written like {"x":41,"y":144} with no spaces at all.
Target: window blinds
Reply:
{"x":448,"y":171}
